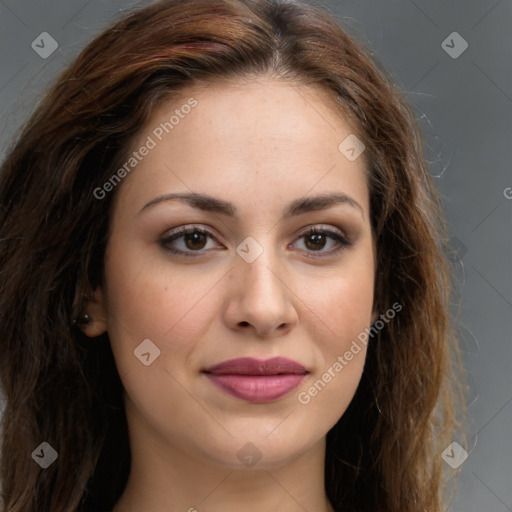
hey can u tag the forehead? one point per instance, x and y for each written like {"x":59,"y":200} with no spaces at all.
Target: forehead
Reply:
{"x":266,"y":108}
{"x":257,"y":134}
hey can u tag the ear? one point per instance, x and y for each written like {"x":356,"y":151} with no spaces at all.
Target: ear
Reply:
{"x":97,"y":312}
{"x":375,"y":315}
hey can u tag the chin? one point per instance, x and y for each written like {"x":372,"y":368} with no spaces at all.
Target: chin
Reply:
{"x":260,"y":452}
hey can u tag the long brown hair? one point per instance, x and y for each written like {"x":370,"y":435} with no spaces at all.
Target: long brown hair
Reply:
{"x":62,"y":388}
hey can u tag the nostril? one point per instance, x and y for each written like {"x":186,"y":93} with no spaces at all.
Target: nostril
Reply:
{"x":244,"y":324}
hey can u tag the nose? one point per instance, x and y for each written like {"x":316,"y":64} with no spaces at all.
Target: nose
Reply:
{"x":261,"y":299}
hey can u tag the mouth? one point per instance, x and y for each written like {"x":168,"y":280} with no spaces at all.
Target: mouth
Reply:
{"x":256,"y":380}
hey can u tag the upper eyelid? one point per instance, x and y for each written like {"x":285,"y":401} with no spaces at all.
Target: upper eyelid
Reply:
{"x":320,"y":227}
{"x":198,"y":227}
{"x":183,"y":230}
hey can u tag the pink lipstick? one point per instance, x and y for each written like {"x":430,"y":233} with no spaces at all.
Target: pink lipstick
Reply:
{"x":256,"y":380}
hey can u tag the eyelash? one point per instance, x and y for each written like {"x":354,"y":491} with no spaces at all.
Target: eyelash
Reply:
{"x":185,"y":230}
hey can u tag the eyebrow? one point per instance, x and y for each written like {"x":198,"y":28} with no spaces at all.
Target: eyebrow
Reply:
{"x":298,"y":206}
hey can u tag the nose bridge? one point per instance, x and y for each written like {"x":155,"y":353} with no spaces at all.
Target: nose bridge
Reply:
{"x":258,"y":264}
{"x":261,"y":297}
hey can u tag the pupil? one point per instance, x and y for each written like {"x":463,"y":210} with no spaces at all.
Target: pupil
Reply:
{"x":194,"y":240}
{"x":318,"y":241}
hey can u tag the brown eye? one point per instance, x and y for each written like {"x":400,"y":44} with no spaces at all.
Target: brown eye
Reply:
{"x":315,"y":241}
{"x":325,"y":242}
{"x":187,"y":241}
{"x":195,"y":240}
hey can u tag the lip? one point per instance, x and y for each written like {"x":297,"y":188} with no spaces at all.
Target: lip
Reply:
{"x":257,"y":380}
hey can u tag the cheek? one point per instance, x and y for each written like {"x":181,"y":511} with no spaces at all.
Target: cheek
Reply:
{"x":345,"y":314}
{"x":342,"y":307}
{"x":173,"y":311}
{"x":147,"y":301}
{"x":342,"y":304}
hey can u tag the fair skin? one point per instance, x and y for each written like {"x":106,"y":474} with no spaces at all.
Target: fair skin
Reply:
{"x":258,"y":144}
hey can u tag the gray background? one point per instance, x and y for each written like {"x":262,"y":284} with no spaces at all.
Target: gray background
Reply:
{"x":464,"y":107}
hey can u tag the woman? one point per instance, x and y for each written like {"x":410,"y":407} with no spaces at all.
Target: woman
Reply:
{"x":222,"y":279}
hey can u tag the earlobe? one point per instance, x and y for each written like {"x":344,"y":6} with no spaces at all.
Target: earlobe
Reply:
{"x":95,"y":319}
{"x":375,"y":315}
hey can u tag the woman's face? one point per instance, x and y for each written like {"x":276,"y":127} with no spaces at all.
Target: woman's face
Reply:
{"x":249,"y":280}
